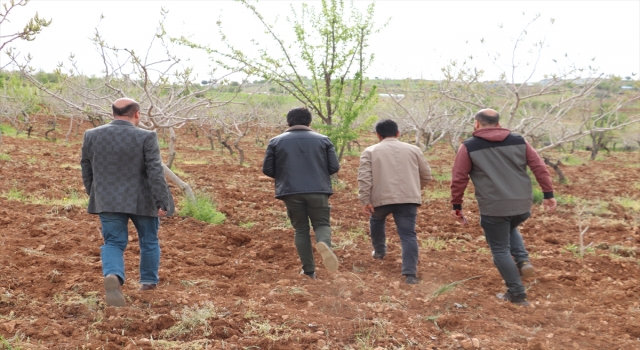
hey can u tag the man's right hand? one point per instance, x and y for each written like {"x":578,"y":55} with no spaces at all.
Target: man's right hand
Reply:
{"x":368,"y":209}
{"x":161,"y":212}
{"x":550,"y":204}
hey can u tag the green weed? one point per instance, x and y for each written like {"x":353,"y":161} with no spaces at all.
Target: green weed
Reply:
{"x":629,"y":203}
{"x":575,"y":250}
{"x":446,"y":177}
{"x":203,"y":209}
{"x":449,"y":287}
{"x":572,"y":160}
{"x":433,"y":243}
{"x":14,"y":194}
{"x":5,"y":157}
{"x":247,"y":225}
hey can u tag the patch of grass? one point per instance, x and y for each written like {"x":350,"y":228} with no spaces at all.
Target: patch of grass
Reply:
{"x":627,"y":252}
{"x":5,"y":157}
{"x":636,"y":185}
{"x":482,"y":251}
{"x":538,"y":196}
{"x":32,"y":160}
{"x":191,"y":319}
{"x":629,"y":203}
{"x":74,"y":199}
{"x":203,"y":209}
{"x":572,"y":160}
{"x":268,"y":330}
{"x":247,"y":225}
{"x":8,"y":130}
{"x":433,"y":243}
{"x":436,"y":194}
{"x":90,"y":300}
{"x":575,"y":250}
{"x":446,"y":177}
{"x":567,"y":200}
{"x":179,"y":172}
{"x":14,"y":194}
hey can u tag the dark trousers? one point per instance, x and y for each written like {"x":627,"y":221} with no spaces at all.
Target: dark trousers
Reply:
{"x":304,"y":207}
{"x":405,"y":218}
{"x":505,"y":241}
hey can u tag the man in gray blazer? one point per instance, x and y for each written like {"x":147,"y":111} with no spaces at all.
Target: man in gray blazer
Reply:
{"x":123,"y":176}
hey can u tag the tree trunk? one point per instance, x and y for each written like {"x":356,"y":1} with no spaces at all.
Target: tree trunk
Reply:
{"x":236,"y":144}
{"x":557,"y":169}
{"x":66,"y":137}
{"x":172,"y":147}
{"x":210,"y":137}
{"x":0,"y":139}
{"x":176,"y":180}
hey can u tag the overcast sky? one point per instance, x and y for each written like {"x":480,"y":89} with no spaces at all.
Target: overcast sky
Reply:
{"x":421,"y":37}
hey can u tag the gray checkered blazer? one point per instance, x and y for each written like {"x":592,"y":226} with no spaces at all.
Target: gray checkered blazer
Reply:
{"x":122,"y":170}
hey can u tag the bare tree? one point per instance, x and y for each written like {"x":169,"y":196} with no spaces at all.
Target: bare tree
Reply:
{"x":157,"y":79}
{"x":35,"y":25}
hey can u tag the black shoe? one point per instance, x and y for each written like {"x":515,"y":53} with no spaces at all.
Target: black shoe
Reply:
{"x":311,"y":274}
{"x":377,"y":256}
{"x":411,"y":279}
{"x":516,"y":299}
{"x":526,"y":269}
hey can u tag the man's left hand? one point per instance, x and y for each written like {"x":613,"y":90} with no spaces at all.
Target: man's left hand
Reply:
{"x":368,"y":209}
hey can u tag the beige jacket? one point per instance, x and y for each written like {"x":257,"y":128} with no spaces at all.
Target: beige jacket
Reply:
{"x":392,"y":172}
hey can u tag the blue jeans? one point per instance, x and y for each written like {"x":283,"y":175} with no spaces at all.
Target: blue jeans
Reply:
{"x":505,"y":241}
{"x":116,"y":236}
{"x":405,"y":218}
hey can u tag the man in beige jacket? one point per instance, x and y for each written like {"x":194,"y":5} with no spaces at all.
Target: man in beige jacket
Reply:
{"x":391,"y":177}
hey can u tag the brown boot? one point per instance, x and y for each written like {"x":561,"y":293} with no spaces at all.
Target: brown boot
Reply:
{"x":148,"y":286}
{"x":329,"y":259}
{"x":113,"y":291}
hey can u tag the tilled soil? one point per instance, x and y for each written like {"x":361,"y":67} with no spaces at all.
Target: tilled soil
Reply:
{"x":237,"y":285}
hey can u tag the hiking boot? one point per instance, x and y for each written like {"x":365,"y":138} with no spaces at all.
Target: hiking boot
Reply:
{"x":329,"y":259}
{"x":516,"y":299}
{"x":377,"y":256}
{"x":148,"y":286}
{"x":526,"y":269}
{"x":411,"y":279}
{"x":113,"y":291}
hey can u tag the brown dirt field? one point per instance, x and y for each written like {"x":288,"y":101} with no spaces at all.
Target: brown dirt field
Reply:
{"x":237,"y":285}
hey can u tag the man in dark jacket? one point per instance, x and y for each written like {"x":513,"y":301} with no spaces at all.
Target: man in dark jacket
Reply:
{"x":497,"y":160}
{"x":123,"y":176}
{"x":301,"y":161}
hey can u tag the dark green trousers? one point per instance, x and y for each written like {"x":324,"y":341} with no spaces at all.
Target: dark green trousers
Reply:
{"x":302,"y":208}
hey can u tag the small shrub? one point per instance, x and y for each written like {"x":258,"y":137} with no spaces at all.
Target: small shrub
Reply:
{"x":433,"y":243}
{"x":5,"y":157}
{"x":629,"y":203}
{"x":538,"y":196}
{"x":203,"y":209}
{"x":247,"y":224}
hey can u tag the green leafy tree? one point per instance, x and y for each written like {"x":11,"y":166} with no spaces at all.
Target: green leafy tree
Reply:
{"x":35,"y":25}
{"x":324,"y":68}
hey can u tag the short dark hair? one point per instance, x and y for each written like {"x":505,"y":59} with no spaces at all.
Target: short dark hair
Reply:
{"x":126,"y":111}
{"x":299,"y":116}
{"x":387,"y":128}
{"x":487,"y":117}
